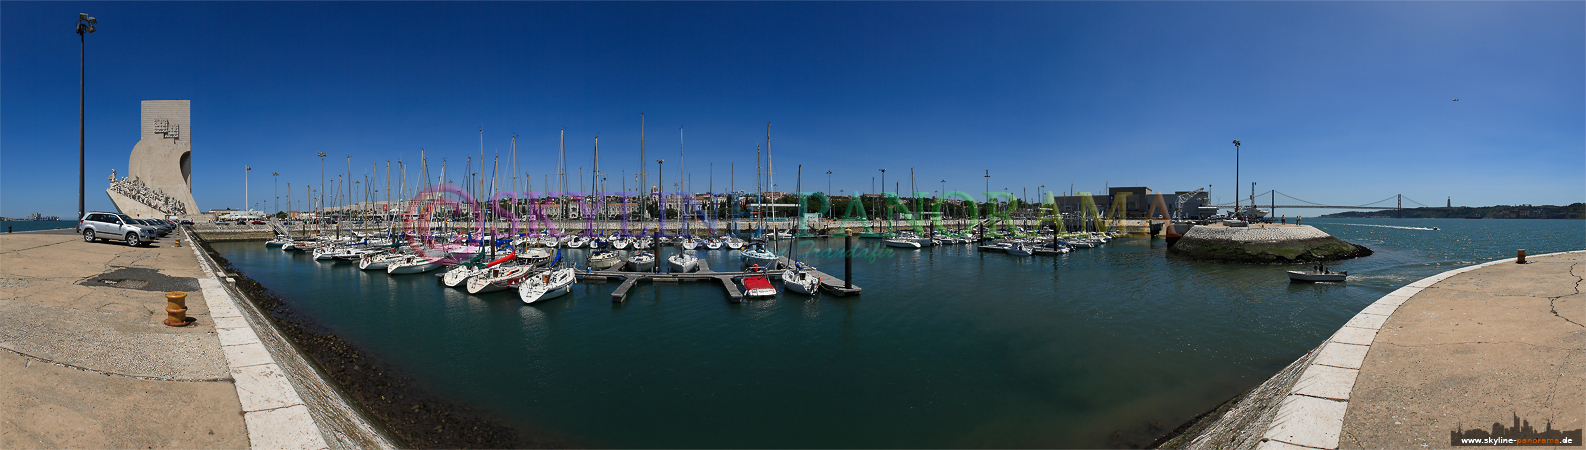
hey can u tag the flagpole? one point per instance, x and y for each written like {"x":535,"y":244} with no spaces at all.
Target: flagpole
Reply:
{"x":245,"y":188}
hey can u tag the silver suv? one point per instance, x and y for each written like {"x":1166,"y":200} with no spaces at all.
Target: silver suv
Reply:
{"x":102,"y":225}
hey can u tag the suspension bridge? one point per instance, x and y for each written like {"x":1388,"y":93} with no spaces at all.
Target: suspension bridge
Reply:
{"x":1395,"y":202}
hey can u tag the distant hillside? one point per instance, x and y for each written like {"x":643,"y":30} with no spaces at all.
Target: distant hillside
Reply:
{"x":1572,"y":211}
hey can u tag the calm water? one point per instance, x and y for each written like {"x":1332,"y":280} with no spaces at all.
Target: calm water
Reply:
{"x":30,"y":225}
{"x":947,"y":347}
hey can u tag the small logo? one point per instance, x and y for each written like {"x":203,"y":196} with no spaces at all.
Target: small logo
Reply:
{"x":1517,"y":433}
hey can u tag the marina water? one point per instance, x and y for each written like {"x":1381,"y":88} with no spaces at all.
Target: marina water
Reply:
{"x":947,"y":347}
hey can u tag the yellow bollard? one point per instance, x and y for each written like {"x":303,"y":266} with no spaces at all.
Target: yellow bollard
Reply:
{"x":176,"y":308}
{"x":178,"y":242}
{"x":1519,"y":257}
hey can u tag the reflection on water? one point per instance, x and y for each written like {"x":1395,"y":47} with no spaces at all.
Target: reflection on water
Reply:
{"x":947,"y":347}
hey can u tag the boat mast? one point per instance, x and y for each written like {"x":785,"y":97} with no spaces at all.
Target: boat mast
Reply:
{"x":644,"y":191}
{"x":682,"y":222}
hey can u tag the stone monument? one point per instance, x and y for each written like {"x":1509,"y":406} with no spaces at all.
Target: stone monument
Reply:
{"x":159,"y":173}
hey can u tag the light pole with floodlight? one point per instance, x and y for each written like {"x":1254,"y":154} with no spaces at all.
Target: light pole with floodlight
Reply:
{"x":85,"y":25}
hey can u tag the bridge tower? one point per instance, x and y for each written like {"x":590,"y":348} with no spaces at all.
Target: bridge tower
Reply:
{"x":1400,"y":207}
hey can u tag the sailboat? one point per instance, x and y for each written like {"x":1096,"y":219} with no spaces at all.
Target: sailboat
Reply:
{"x":797,"y":279}
{"x":759,"y":255}
{"x":683,"y":262}
{"x":604,"y":259}
{"x":642,"y":261}
{"x":546,"y":285}
{"x":499,"y":276}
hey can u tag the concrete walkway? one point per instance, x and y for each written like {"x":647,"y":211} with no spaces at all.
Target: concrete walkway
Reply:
{"x":88,"y":363}
{"x":1488,"y":345}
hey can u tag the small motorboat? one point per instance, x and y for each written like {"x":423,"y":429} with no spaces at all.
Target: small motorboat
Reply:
{"x":278,"y":241}
{"x":757,"y":285}
{"x":901,"y":242}
{"x":1018,"y":249}
{"x":1318,"y":273}
{"x":546,"y":285}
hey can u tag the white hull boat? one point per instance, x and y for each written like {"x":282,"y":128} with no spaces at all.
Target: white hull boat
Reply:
{"x":902,"y":243}
{"x":604,"y":259}
{"x":410,"y":264}
{"x":458,"y":275}
{"x":683,"y":263}
{"x":642,"y":261}
{"x":546,"y":285}
{"x":759,"y":256}
{"x":498,"y":279}
{"x":800,"y":281}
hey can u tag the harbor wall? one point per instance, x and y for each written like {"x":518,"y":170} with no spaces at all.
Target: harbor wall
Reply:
{"x":1279,"y":244}
{"x":368,"y":402}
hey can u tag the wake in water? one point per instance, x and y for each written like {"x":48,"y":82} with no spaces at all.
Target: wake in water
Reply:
{"x":1386,"y":226}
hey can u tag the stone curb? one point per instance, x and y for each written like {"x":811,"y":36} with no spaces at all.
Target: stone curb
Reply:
{"x":274,"y":414}
{"x":1312,"y":415}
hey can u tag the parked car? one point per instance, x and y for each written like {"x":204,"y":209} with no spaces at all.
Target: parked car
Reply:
{"x":103,"y":225}
{"x":159,"y":228}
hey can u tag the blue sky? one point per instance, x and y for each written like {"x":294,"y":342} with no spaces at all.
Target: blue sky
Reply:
{"x":1345,"y":102}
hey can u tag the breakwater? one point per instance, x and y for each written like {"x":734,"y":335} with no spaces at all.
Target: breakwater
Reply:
{"x":1270,"y":244}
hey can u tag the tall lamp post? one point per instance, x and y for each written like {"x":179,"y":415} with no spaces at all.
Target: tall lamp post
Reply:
{"x":277,"y":177}
{"x":1236,"y":178}
{"x":85,"y":25}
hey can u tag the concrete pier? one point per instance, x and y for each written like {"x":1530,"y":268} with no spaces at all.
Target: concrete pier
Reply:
{"x":1494,"y":345}
{"x":87,"y":361}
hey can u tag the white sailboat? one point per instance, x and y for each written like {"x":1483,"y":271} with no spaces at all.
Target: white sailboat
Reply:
{"x":683,"y":262}
{"x":759,"y":256}
{"x":642,"y":261}
{"x":800,"y":281}
{"x":546,"y":285}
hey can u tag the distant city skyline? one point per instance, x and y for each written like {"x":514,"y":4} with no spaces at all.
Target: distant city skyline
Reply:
{"x":1338,"y":103}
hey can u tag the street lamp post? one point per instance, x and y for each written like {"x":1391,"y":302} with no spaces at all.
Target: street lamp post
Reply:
{"x":85,"y":25}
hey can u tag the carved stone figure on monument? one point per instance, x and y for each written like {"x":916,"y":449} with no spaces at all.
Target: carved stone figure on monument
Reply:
{"x":159,"y":171}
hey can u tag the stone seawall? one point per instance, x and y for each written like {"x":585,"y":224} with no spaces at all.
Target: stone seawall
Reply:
{"x":214,"y":235}
{"x":1263,"y":245}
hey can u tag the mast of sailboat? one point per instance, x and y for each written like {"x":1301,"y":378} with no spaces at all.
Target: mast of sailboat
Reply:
{"x":770,"y":175}
{"x":594,"y":183}
{"x":644,"y":187}
{"x":711,"y":194}
{"x":681,"y":221}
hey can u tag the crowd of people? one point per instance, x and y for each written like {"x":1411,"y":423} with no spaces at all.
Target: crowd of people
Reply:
{"x":153,"y":197}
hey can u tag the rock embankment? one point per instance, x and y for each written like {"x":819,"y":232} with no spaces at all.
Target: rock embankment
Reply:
{"x":1263,"y":245}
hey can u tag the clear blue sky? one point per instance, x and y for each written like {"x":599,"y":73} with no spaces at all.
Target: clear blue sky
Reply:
{"x":1338,"y":102}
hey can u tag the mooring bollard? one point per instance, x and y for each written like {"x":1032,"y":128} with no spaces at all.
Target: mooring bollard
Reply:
{"x":176,"y":308}
{"x":1519,"y":256}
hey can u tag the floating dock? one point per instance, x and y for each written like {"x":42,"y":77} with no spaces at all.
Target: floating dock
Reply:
{"x":830,"y":284}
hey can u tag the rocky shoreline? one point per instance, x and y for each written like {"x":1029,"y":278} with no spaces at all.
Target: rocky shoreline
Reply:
{"x":1263,"y":245}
